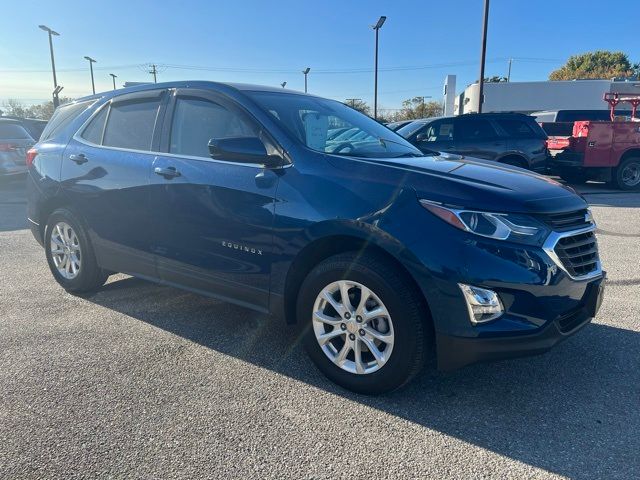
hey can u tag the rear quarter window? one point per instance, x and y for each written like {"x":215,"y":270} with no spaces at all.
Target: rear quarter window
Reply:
{"x":516,"y":128}
{"x":62,"y":117}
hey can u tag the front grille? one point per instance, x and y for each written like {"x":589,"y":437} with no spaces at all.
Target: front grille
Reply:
{"x":578,"y":253}
{"x":563,"y":222}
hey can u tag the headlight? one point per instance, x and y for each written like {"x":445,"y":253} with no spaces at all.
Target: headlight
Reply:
{"x":500,"y":226}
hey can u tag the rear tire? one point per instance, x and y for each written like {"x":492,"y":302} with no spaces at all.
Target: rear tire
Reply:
{"x":392,"y":320}
{"x":70,"y":254}
{"x":627,"y":175}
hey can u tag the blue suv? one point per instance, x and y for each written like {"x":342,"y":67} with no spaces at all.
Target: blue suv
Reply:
{"x":382,"y":255}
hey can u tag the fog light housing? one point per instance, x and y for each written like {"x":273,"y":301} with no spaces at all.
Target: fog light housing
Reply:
{"x":483,"y":305}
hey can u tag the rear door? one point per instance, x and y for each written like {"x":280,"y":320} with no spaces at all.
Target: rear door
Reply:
{"x":476,"y":137}
{"x":211,"y":219}
{"x":525,"y":138}
{"x":105,"y":173}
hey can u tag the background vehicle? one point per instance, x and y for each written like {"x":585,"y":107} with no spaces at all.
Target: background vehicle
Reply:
{"x":378,"y":252}
{"x":395,"y":126}
{"x":560,"y":122}
{"x":511,"y":138}
{"x":14,"y":143}
{"x":601,"y":150}
{"x":34,"y":126}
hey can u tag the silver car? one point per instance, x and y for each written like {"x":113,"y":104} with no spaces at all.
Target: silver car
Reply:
{"x":14,"y":143}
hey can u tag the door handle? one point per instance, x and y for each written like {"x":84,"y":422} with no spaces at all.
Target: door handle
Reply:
{"x":79,"y":158}
{"x":168,"y":173}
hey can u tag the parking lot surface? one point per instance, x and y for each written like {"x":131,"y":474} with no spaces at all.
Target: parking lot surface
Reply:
{"x":144,"y":381}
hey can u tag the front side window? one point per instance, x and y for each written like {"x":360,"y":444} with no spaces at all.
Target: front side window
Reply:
{"x":131,"y":123}
{"x":474,"y":129}
{"x":198,"y":120}
{"x":441,"y":131}
{"x":311,"y":121}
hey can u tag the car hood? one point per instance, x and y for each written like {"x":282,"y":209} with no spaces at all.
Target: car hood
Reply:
{"x":484,"y":185}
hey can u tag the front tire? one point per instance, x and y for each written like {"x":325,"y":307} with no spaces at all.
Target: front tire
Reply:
{"x":70,"y":254}
{"x":365,"y":323}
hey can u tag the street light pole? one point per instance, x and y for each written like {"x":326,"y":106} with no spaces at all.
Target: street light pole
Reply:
{"x":306,"y":72}
{"x":377,"y":28}
{"x":91,"y":62}
{"x":483,"y":53}
{"x":56,"y":101}
{"x":113,"y":77}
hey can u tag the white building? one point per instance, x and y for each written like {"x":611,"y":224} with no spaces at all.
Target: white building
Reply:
{"x":527,"y":97}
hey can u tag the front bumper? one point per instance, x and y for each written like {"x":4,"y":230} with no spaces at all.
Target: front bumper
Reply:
{"x":455,"y":352}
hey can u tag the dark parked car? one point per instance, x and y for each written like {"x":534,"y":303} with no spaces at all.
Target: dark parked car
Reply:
{"x":395,"y":126}
{"x":510,"y":138}
{"x":34,"y":126}
{"x":380,"y":254}
{"x":14,"y":143}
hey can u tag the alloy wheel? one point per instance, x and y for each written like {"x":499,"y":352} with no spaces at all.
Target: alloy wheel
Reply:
{"x":353,"y":327}
{"x":65,"y":250}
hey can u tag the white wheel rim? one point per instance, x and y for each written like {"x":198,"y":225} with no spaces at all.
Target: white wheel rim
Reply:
{"x":353,"y":327}
{"x":65,"y":250}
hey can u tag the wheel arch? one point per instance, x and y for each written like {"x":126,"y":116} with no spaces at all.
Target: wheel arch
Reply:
{"x":514,"y":156}
{"x":631,"y":152}
{"x":324,"y":247}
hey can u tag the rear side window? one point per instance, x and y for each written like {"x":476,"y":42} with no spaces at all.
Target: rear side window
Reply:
{"x":10,"y":131}
{"x":62,"y":117}
{"x":516,"y":128}
{"x":441,"y":131}
{"x":197,"y":120}
{"x":130,"y":124}
{"x":474,"y":129}
{"x":93,"y":132}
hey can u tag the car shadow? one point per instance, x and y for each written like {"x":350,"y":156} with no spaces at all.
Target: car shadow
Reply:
{"x":573,"y":411}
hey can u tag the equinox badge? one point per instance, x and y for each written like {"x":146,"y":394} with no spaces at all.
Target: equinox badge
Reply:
{"x":244,"y":248}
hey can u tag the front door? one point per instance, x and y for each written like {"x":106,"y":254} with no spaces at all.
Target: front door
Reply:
{"x":212,"y":219}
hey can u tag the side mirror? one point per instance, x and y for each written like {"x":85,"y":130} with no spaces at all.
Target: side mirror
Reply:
{"x":242,"y":150}
{"x":422,"y":137}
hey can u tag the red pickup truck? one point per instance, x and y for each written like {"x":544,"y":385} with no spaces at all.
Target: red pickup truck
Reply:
{"x":596,"y":150}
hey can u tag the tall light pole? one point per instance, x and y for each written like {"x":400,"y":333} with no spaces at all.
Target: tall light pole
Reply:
{"x":306,"y":72}
{"x":377,"y":28}
{"x":56,"y":101}
{"x":113,"y":77}
{"x":91,"y":62}
{"x":483,"y":53}
{"x":509,"y":73}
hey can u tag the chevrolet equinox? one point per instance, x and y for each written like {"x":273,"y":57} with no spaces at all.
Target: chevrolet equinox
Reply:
{"x":382,"y":255}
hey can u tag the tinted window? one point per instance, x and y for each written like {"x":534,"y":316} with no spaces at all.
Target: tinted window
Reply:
{"x":441,"y":131}
{"x":62,"y":117}
{"x":13,"y":131}
{"x":130,"y":124}
{"x":474,"y":129}
{"x":93,"y":132}
{"x":516,"y":128}
{"x":196,"y":121}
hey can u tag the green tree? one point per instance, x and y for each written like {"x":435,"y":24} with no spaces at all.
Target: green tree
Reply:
{"x":416,"y":107}
{"x":359,"y":105}
{"x":600,"y":64}
{"x":42,"y":111}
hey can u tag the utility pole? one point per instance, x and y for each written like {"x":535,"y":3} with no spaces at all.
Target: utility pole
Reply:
{"x":509,"y":74}
{"x":154,"y":72}
{"x":483,"y":54}
{"x":91,"y":62}
{"x":113,"y":77}
{"x":377,"y":28}
{"x":352,"y":101}
{"x":56,"y":100}
{"x":306,"y":72}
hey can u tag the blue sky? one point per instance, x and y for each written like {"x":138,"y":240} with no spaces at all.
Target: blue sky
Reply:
{"x":268,"y":42}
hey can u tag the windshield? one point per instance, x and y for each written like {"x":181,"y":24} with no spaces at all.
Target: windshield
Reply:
{"x":411,"y":128}
{"x":312,"y":120}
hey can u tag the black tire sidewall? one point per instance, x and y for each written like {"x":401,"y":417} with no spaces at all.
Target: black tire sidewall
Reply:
{"x":618,"y":176}
{"x":90,"y":274}
{"x":409,"y":331}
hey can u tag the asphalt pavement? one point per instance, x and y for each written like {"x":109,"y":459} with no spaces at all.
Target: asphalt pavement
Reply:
{"x":144,"y":381}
